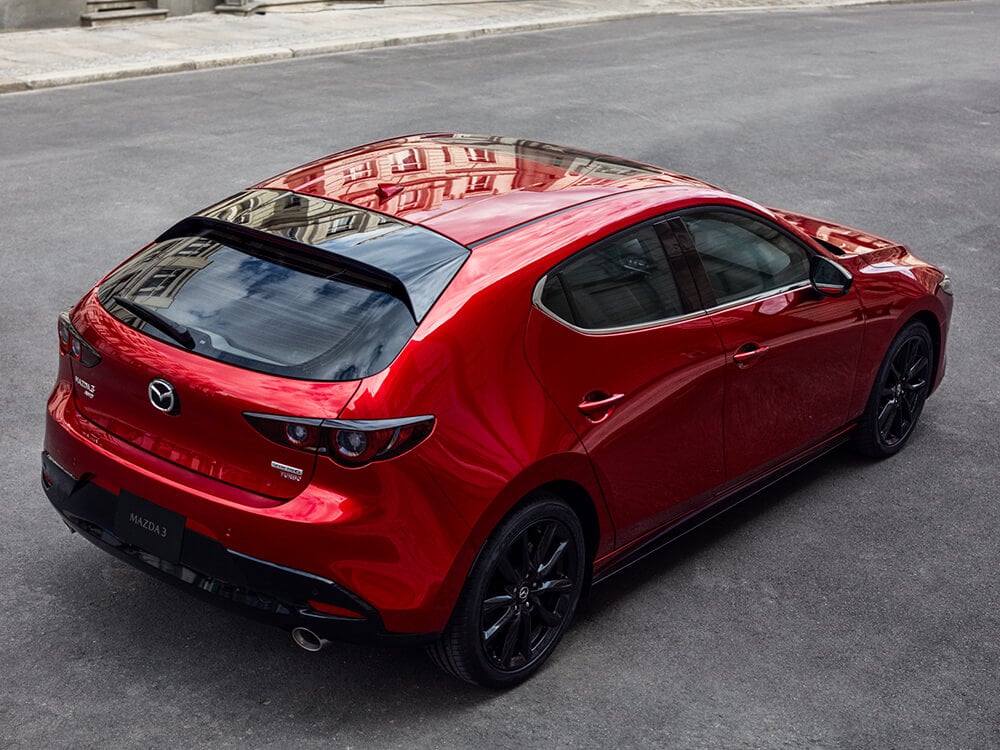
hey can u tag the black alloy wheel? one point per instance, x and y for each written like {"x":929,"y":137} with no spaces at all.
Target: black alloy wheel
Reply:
{"x":519,"y":599}
{"x":902,"y":386}
{"x":528,"y":596}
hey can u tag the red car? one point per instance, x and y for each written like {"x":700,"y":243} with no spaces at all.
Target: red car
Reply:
{"x":430,"y":389}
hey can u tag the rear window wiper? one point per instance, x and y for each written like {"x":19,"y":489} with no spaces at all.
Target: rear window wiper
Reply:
{"x":177,"y":332}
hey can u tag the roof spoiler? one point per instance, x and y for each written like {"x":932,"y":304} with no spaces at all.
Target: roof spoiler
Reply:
{"x":305,"y":257}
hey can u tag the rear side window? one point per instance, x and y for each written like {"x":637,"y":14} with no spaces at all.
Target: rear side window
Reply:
{"x":265,"y":313}
{"x":620,"y":282}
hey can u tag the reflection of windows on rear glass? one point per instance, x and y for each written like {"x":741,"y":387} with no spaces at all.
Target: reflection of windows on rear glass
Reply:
{"x":744,"y":258}
{"x":623,"y":281}
{"x":340,"y":224}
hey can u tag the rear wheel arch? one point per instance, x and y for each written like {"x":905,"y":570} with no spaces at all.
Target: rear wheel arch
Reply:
{"x":582,"y":504}
{"x":579,"y":500}
{"x":535,"y":602}
{"x":569,"y":476}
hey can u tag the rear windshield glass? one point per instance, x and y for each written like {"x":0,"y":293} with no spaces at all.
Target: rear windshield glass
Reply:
{"x":422,"y":260}
{"x":287,"y":284}
{"x":266,"y":314}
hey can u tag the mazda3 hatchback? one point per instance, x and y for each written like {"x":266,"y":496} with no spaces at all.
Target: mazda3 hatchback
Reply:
{"x":430,"y":389}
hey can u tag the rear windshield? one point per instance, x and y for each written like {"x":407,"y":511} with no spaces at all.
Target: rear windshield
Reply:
{"x":268,"y":308}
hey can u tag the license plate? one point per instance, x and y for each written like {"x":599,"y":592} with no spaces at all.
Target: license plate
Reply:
{"x":149,"y":527}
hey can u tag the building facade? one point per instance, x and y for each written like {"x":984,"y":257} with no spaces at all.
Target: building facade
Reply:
{"x":16,"y":15}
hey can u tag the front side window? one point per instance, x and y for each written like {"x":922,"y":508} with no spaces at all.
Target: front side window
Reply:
{"x":744,"y":257}
{"x":622,"y":281}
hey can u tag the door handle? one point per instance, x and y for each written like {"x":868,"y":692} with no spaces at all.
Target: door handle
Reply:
{"x":597,"y":405}
{"x":748,"y":353}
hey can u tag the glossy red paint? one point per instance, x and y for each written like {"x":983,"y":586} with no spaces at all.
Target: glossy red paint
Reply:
{"x":798,"y":391}
{"x":468,"y":188}
{"x":712,"y":401}
{"x":669,"y":422}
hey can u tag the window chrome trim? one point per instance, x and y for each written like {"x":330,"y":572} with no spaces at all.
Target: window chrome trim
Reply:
{"x":536,"y":300}
{"x":536,"y":294}
{"x":760,"y":296}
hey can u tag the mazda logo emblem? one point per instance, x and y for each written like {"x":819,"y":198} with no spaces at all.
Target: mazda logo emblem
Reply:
{"x":163,"y":396}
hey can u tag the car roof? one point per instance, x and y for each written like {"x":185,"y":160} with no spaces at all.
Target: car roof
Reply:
{"x":470,"y":187}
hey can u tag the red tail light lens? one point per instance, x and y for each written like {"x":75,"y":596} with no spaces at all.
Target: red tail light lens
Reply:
{"x":349,"y":443}
{"x":71,"y":344}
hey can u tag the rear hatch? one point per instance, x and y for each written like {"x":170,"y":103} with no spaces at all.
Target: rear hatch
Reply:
{"x":220,"y":319}
{"x":188,"y":409}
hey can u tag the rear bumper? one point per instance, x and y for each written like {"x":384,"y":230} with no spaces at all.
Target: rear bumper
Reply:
{"x":264,"y":590}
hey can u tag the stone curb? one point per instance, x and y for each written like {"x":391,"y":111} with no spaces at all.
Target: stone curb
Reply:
{"x":245,"y":57}
{"x":104,"y":73}
{"x":312,"y":49}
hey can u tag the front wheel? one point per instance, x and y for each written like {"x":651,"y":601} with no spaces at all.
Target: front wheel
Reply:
{"x":898,"y":396}
{"x":519,"y":598}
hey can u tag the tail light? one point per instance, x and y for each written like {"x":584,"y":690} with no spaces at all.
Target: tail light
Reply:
{"x":348,"y":442}
{"x":71,"y":344}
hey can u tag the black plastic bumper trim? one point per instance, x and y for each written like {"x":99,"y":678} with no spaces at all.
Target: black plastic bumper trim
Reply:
{"x":257,"y":588}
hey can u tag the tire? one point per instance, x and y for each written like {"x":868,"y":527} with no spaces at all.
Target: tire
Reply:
{"x":519,"y":598}
{"x":897,"y":398}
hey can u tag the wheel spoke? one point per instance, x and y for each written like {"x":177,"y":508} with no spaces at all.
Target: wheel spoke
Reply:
{"x":551,"y":563}
{"x":510,"y":641}
{"x":543,"y":545}
{"x":916,"y":370}
{"x":524,"y":639}
{"x":908,"y":407}
{"x":496,"y":602}
{"x":902,"y":423}
{"x":496,"y":627}
{"x":556,"y":585}
{"x":886,"y":416}
{"x":551,"y":619}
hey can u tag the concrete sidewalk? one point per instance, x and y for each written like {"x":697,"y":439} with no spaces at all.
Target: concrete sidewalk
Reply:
{"x":60,"y":57}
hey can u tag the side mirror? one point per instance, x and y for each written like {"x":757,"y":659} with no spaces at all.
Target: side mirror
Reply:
{"x":827,"y":278}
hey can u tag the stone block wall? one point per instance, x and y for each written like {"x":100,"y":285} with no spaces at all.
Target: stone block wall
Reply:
{"x":41,"y":14}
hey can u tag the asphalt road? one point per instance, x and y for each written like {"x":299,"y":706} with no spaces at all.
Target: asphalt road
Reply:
{"x":855,"y":605}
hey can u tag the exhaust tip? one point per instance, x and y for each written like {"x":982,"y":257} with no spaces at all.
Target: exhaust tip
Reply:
{"x":305,"y":638}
